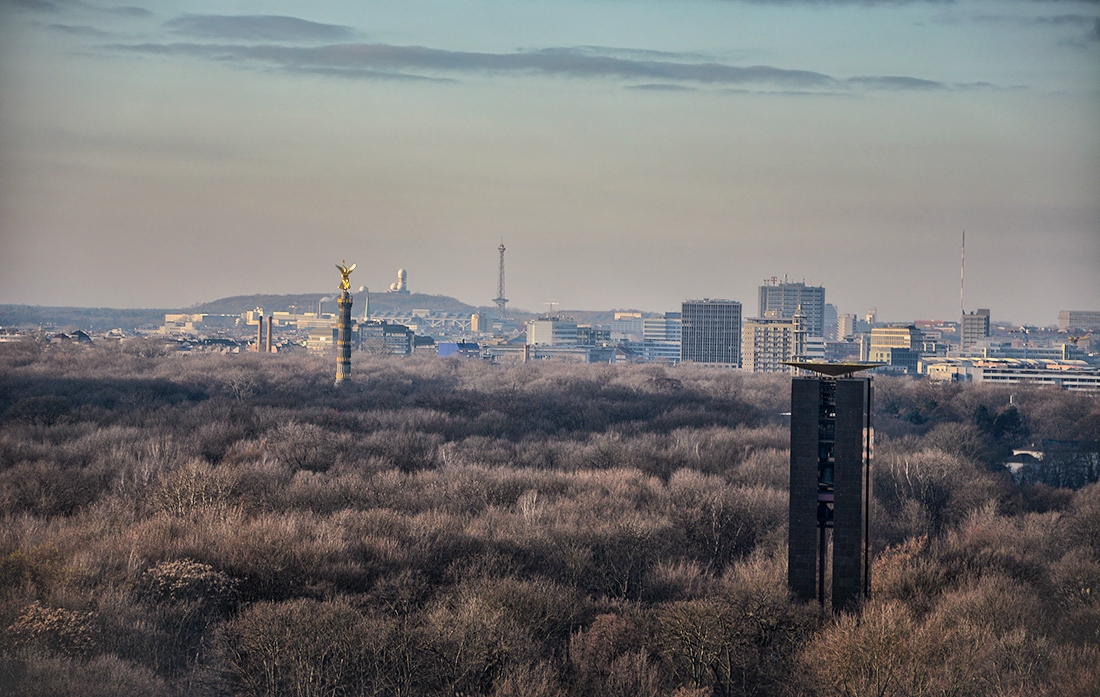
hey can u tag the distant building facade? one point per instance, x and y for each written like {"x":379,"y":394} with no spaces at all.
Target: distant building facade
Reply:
{"x":197,"y":323}
{"x":842,"y":351}
{"x":766,"y":342}
{"x":627,"y":326}
{"x":849,"y":325}
{"x":830,"y":322}
{"x":711,"y":332}
{"x":377,"y":336}
{"x":588,"y":335}
{"x":551,"y":331}
{"x":973,"y":328}
{"x":782,"y":299}
{"x":1076,"y":376}
{"x":664,"y":329}
{"x":481,"y":323}
{"x":899,"y":347}
{"x":651,"y":351}
{"x":1087,"y":320}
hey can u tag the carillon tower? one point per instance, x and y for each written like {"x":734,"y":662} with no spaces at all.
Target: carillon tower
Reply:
{"x":831,"y":447}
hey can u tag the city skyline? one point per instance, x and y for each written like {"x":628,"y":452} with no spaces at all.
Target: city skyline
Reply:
{"x":630,"y":155}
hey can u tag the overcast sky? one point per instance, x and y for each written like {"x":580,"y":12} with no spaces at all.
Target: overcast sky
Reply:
{"x":630,"y":153}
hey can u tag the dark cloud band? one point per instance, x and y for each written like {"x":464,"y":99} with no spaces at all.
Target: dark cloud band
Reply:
{"x":410,"y":62}
{"x":258,"y":28}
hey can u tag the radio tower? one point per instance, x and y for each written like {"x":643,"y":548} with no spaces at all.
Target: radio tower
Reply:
{"x":962,"y":276}
{"x":500,"y":300}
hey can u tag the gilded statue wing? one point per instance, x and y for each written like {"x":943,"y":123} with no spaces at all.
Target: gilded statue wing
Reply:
{"x":345,"y":270}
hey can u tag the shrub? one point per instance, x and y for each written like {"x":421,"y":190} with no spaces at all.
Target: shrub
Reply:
{"x":31,"y":674}
{"x":65,"y":632}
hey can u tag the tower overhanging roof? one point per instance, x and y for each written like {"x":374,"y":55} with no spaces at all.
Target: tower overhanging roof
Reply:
{"x":832,"y":369}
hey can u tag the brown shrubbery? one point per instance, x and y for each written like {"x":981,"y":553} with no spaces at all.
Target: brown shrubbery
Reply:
{"x":232,"y":525}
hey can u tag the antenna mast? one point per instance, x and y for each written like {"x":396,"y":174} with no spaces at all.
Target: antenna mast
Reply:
{"x":500,"y":300}
{"x":962,"y":276}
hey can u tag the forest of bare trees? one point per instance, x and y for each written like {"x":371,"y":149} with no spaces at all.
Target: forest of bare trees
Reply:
{"x":232,"y":525}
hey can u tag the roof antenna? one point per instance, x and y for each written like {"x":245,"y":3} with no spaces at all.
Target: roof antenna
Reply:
{"x":962,"y":276}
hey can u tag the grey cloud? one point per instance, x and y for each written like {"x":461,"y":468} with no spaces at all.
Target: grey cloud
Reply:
{"x":871,"y":3}
{"x":35,"y":5}
{"x":388,"y":58}
{"x":130,"y":11}
{"x":1072,"y":20}
{"x":407,"y":62}
{"x":1090,"y":23}
{"x":657,"y":87}
{"x":883,"y":2}
{"x":365,"y":74}
{"x":61,"y":5}
{"x":258,"y":28}
{"x":631,"y":53}
{"x":79,"y":30}
{"x":895,"y":82}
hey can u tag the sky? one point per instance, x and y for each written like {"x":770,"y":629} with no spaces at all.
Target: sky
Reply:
{"x":628,"y":153}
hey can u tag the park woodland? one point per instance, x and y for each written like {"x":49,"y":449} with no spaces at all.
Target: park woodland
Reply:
{"x":180,"y":524}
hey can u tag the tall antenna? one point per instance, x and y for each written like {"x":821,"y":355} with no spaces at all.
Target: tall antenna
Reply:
{"x":500,"y":300}
{"x":962,"y":276}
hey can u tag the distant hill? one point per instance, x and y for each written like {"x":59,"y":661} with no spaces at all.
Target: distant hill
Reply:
{"x":101,"y":319}
{"x":97,"y":319}
{"x":305,"y":302}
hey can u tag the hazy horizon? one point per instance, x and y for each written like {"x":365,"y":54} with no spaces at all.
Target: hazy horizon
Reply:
{"x":630,"y":155}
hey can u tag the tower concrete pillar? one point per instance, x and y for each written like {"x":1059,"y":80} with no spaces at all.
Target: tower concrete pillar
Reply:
{"x":343,"y":339}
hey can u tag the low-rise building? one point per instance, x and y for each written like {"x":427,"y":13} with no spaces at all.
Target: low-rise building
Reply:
{"x":552,"y":331}
{"x":1067,"y":375}
{"x":378,"y":336}
{"x":1086,"y":320}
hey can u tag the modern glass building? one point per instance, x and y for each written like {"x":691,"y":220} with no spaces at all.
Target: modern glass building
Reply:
{"x":710,"y":332}
{"x":782,"y":299}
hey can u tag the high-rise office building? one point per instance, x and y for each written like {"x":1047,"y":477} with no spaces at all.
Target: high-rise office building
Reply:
{"x":711,"y":332}
{"x":845,"y":326}
{"x":782,"y":299}
{"x":831,"y":445}
{"x":767,"y":342}
{"x":830,"y":322}
{"x":974,"y":328}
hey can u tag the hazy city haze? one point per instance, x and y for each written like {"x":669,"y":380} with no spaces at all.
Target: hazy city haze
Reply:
{"x":629,"y":154}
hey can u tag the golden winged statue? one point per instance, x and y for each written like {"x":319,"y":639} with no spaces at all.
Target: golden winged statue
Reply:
{"x":345,"y":271}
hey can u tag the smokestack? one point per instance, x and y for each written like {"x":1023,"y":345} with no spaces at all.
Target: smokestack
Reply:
{"x":260,"y":333}
{"x":270,"y":324}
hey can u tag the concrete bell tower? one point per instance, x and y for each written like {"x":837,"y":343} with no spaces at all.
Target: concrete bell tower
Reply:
{"x":831,"y":447}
